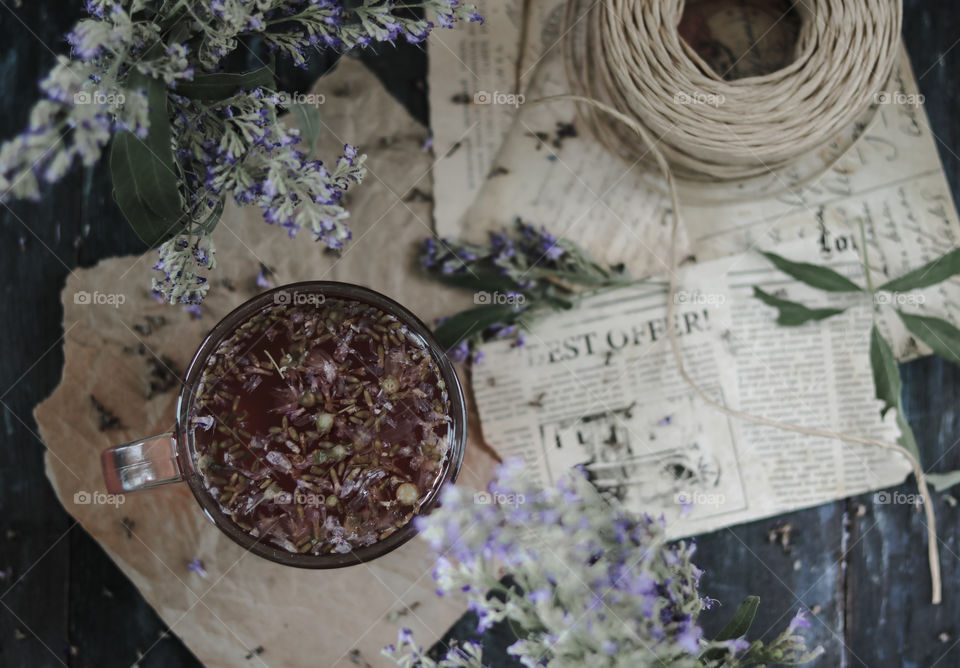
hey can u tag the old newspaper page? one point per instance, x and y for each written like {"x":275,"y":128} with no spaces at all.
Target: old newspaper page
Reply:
{"x":597,"y":386}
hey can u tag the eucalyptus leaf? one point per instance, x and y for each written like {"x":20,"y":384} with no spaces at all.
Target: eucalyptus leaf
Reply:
{"x":814,"y":275}
{"x":942,"y":336}
{"x":944,"y":481}
{"x":144,"y":172}
{"x":742,"y":620}
{"x":159,"y":139}
{"x":929,"y":274}
{"x":472,"y":321}
{"x":886,"y":380}
{"x":308,"y":122}
{"x":886,"y":373}
{"x":737,"y":627}
{"x":791,"y":313}
{"x":151,"y":228}
{"x":221,"y":85}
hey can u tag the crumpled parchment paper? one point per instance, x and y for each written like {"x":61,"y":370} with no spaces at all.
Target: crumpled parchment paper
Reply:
{"x":129,"y":356}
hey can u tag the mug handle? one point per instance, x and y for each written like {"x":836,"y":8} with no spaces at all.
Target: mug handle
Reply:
{"x":148,"y":462}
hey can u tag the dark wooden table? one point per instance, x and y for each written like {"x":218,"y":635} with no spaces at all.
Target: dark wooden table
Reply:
{"x":860,"y":565}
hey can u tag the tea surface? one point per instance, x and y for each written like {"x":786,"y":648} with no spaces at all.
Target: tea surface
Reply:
{"x":321,"y":427}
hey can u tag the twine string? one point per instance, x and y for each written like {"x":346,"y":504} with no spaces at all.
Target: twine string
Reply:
{"x":629,"y":55}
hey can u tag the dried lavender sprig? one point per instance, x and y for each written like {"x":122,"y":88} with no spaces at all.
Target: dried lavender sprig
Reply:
{"x":520,"y":274}
{"x":98,"y":92}
{"x":594,"y":585}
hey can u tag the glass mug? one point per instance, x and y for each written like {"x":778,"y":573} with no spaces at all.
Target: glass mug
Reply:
{"x":173,"y":457}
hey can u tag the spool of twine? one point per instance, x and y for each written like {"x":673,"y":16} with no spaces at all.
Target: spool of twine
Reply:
{"x":627,"y":63}
{"x":629,"y":55}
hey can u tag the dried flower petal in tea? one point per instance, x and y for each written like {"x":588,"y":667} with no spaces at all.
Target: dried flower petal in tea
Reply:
{"x":321,"y":427}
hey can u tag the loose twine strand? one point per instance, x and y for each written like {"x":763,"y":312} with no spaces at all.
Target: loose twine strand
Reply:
{"x":636,"y":61}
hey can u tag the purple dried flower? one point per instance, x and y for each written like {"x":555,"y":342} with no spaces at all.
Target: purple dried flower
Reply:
{"x":799,"y":621}
{"x":737,"y":645}
{"x":460,"y":352}
{"x":640,"y":598}
{"x":196,"y":565}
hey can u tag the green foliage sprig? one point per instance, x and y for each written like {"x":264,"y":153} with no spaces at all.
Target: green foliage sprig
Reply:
{"x":940,"y":335}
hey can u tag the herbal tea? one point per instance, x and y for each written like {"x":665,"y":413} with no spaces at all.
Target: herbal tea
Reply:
{"x":321,"y":427}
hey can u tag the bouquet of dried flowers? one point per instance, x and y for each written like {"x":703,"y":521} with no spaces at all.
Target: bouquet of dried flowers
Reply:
{"x":588,"y":584}
{"x":146,"y":77}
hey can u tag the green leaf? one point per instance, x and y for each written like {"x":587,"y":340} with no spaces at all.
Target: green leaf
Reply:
{"x":886,"y":373}
{"x":814,"y":275}
{"x":144,"y":173}
{"x":472,"y":322}
{"x":944,"y":481}
{"x":221,"y":85}
{"x":151,"y":228}
{"x":517,"y":628}
{"x":907,"y":439}
{"x":929,"y":274}
{"x":793,"y":313}
{"x":886,"y":380}
{"x":308,"y":121}
{"x":735,"y":628}
{"x":742,"y":620}
{"x":942,"y":336}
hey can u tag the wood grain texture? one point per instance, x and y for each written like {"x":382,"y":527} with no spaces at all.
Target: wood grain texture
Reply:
{"x":860,"y":561}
